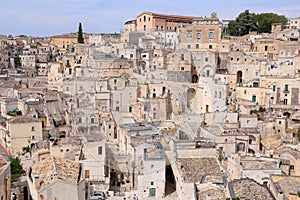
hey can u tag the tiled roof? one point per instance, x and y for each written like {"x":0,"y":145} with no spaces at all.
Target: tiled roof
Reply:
{"x":52,"y":169}
{"x":212,"y":194}
{"x":270,"y":143}
{"x":286,"y":184}
{"x":168,"y":16}
{"x":23,"y":120}
{"x":249,"y":189}
{"x":192,"y":169}
{"x":293,"y":152}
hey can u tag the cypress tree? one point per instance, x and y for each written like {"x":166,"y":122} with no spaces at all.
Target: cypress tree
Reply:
{"x":80,"y":35}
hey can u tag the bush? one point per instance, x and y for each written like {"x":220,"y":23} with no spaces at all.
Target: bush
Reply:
{"x":16,"y":168}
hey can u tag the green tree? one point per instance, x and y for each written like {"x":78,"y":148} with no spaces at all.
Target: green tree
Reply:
{"x":80,"y":34}
{"x":243,"y":24}
{"x":261,"y":23}
{"x":16,"y":168}
{"x":264,"y":21}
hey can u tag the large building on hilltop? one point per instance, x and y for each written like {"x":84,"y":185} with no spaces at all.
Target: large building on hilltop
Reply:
{"x":149,"y":21}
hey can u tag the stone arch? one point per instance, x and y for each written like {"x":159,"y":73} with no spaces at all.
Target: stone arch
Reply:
{"x":125,"y":75}
{"x":208,"y":71}
{"x":252,"y":139}
{"x":62,"y":134}
{"x":191,"y":93}
{"x":195,"y":78}
{"x":144,"y":65}
{"x":287,"y":114}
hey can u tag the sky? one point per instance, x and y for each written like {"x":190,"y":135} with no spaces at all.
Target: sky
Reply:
{"x":53,"y":17}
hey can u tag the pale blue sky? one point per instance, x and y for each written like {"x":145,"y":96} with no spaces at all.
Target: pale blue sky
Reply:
{"x":48,"y":17}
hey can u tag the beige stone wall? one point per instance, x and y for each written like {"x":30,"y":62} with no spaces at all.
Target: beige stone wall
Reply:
{"x":59,"y":188}
{"x":5,"y":177}
{"x":64,"y":43}
{"x":24,"y":134}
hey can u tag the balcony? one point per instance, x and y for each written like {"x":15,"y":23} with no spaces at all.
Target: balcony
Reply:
{"x":102,"y":96}
{"x":286,"y":91}
{"x":98,"y":179}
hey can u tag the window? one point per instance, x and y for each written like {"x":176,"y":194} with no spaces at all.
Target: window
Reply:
{"x":189,"y":34}
{"x":274,"y":88}
{"x":100,"y":150}
{"x":92,"y":120}
{"x":86,"y":173}
{"x":182,"y":56}
{"x":292,"y":167}
{"x":254,"y":98}
{"x":32,"y":128}
{"x":197,"y":46}
{"x":32,"y":137}
{"x":182,"y":68}
{"x":206,"y":59}
{"x":117,"y":108}
{"x":151,"y":183}
{"x":211,"y":35}
{"x":198,"y":35}
{"x":241,"y":146}
{"x":286,"y":87}
{"x":207,"y":73}
{"x":152,"y":192}
{"x":210,"y":46}
{"x":130,"y":109}
{"x":144,"y":18}
{"x":266,"y":48}
{"x":188,"y":46}
{"x":145,"y":27}
{"x":285,"y":101}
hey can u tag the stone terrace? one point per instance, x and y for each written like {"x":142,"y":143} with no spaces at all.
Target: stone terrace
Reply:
{"x":192,"y":169}
{"x":249,"y":189}
{"x":212,"y":194}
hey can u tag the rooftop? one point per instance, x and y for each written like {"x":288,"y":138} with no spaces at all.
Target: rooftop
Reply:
{"x":51,"y":169}
{"x":270,"y":143}
{"x":259,"y":163}
{"x":212,"y":194}
{"x":286,"y":184}
{"x":23,"y":120}
{"x":293,"y":152}
{"x":249,"y":189}
{"x":192,"y":169}
{"x":168,"y":16}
